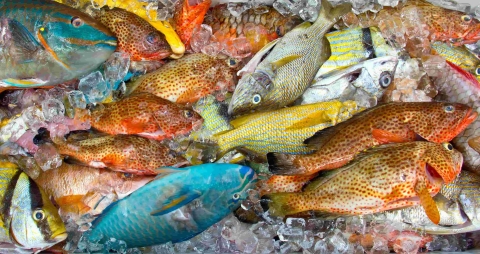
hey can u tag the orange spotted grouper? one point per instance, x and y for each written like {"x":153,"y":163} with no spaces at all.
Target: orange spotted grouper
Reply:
{"x":190,"y":16}
{"x":386,"y":177}
{"x":393,"y":122}
{"x":135,"y":35}
{"x":188,"y":79}
{"x":145,"y":115}
{"x":123,"y":153}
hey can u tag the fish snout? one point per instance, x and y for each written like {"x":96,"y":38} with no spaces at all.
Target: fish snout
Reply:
{"x":470,"y":117}
{"x":58,"y":237}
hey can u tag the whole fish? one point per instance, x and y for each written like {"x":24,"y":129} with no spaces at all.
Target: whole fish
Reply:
{"x":45,"y":43}
{"x":135,"y":35}
{"x":382,"y":178}
{"x":259,"y":25}
{"x":459,"y":56}
{"x":457,"y":85}
{"x":283,"y":130}
{"x":445,"y":25}
{"x":364,"y":82}
{"x":123,"y":153}
{"x":386,"y":123}
{"x":28,"y":218}
{"x":188,"y":79}
{"x":458,"y":203}
{"x":175,"y":207}
{"x":354,"y":45}
{"x":143,"y":114}
{"x":188,"y":17}
{"x":300,"y":52}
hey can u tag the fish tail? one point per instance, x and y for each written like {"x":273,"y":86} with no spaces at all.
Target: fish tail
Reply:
{"x":284,"y":164}
{"x":333,"y":14}
{"x":282,"y":204}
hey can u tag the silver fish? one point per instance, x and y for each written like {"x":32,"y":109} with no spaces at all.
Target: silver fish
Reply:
{"x":289,"y":68}
{"x":374,"y":77}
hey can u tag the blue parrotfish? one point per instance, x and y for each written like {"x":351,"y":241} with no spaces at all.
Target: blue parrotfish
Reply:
{"x":45,"y":43}
{"x":175,"y":207}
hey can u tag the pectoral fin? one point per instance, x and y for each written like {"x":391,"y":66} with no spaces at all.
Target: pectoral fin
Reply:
{"x":385,"y":137}
{"x":23,"y":41}
{"x":281,"y":62}
{"x":176,"y":201}
{"x":22,"y":82}
{"x":427,"y":202}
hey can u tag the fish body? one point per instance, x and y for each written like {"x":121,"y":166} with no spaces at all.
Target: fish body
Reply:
{"x":46,"y":43}
{"x":374,"y":77}
{"x":459,"y":56}
{"x":188,"y":79}
{"x":214,"y":113}
{"x":123,"y":153}
{"x":383,"y":178}
{"x":145,"y":115}
{"x":189,"y":17}
{"x":283,"y":130}
{"x":28,"y":218}
{"x":386,"y":123}
{"x":175,"y":207}
{"x":135,"y":35}
{"x":457,"y":85}
{"x":289,"y":68}
{"x":259,"y":25}
{"x":351,"y":46}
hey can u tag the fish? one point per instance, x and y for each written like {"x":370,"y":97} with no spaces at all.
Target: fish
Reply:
{"x":122,"y":153}
{"x":259,"y":25}
{"x":214,"y":113}
{"x":451,"y":26}
{"x":459,"y":56}
{"x":135,"y":35}
{"x":351,"y":46}
{"x":300,"y":51}
{"x":187,"y":79}
{"x":386,"y":123}
{"x":364,"y":82}
{"x":175,"y":207}
{"x":457,"y":85}
{"x":45,"y":43}
{"x":188,"y":17}
{"x":29,"y":220}
{"x":382,"y":178}
{"x":283,"y":130}
{"x":142,"y":114}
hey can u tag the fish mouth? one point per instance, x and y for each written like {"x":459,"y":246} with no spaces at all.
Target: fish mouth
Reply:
{"x":432,"y":175}
{"x":471,"y":116}
{"x":58,"y":237}
{"x":156,"y":56}
{"x":113,"y":42}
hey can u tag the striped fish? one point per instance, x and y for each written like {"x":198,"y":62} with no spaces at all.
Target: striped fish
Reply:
{"x":352,"y":46}
{"x":28,"y":218}
{"x":460,"y":56}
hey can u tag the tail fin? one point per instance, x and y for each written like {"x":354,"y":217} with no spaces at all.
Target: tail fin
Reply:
{"x":283,"y":164}
{"x":333,"y":13}
{"x":281,"y":204}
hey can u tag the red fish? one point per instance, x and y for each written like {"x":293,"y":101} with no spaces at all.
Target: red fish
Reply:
{"x":190,"y":16}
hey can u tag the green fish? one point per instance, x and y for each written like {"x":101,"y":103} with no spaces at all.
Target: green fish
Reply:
{"x":28,"y":218}
{"x":459,"y":56}
{"x":289,"y":68}
{"x":214,"y":114}
{"x":45,"y":43}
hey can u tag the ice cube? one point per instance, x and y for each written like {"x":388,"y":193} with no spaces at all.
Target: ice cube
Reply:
{"x":182,"y":247}
{"x":229,"y":229}
{"x":236,"y":9}
{"x":13,"y":130}
{"x":53,"y":110}
{"x":380,"y":245}
{"x":118,"y":246}
{"x":94,"y":87}
{"x":308,"y":240}
{"x":338,"y":242}
{"x":289,"y":233}
{"x":164,"y":248}
{"x":77,"y":99}
{"x":246,"y":242}
{"x":116,"y":68}
{"x":321,"y":247}
{"x":47,"y":157}
{"x":34,"y":118}
{"x":309,"y":13}
{"x":282,"y":8}
{"x":392,"y":3}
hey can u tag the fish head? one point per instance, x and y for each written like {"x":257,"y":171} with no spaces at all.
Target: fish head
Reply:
{"x":381,"y":71}
{"x":455,"y":27}
{"x":181,"y":120}
{"x":443,"y":164}
{"x":251,"y":94}
{"x":75,"y":40}
{"x":468,"y":30}
{"x":450,"y":119}
{"x":241,"y":179}
{"x":35,"y":222}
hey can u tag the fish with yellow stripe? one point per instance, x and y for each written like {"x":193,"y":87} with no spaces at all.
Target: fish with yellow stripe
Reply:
{"x":29,"y":220}
{"x":45,"y":43}
{"x":352,"y":46}
{"x":460,"y":56}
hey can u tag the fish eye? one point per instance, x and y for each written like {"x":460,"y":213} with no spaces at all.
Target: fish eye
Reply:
{"x":152,"y":38}
{"x":236,"y":196}
{"x":449,"y":108}
{"x":256,"y":99}
{"x":76,"y":22}
{"x":385,"y":79}
{"x":466,"y":18}
{"x":232,"y":62}
{"x":279,"y":31}
{"x":448,"y":146}
{"x":127,"y":175}
{"x":477,"y":71}
{"x":38,"y":215}
{"x":188,"y":113}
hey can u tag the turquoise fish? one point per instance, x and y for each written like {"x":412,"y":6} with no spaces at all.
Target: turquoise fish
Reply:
{"x":175,"y":207}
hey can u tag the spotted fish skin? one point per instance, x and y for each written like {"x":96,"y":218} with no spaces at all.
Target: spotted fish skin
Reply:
{"x":188,"y":79}
{"x":383,"y":178}
{"x":135,"y":35}
{"x":145,"y":115}
{"x":123,"y":153}
{"x":387,"y":123}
